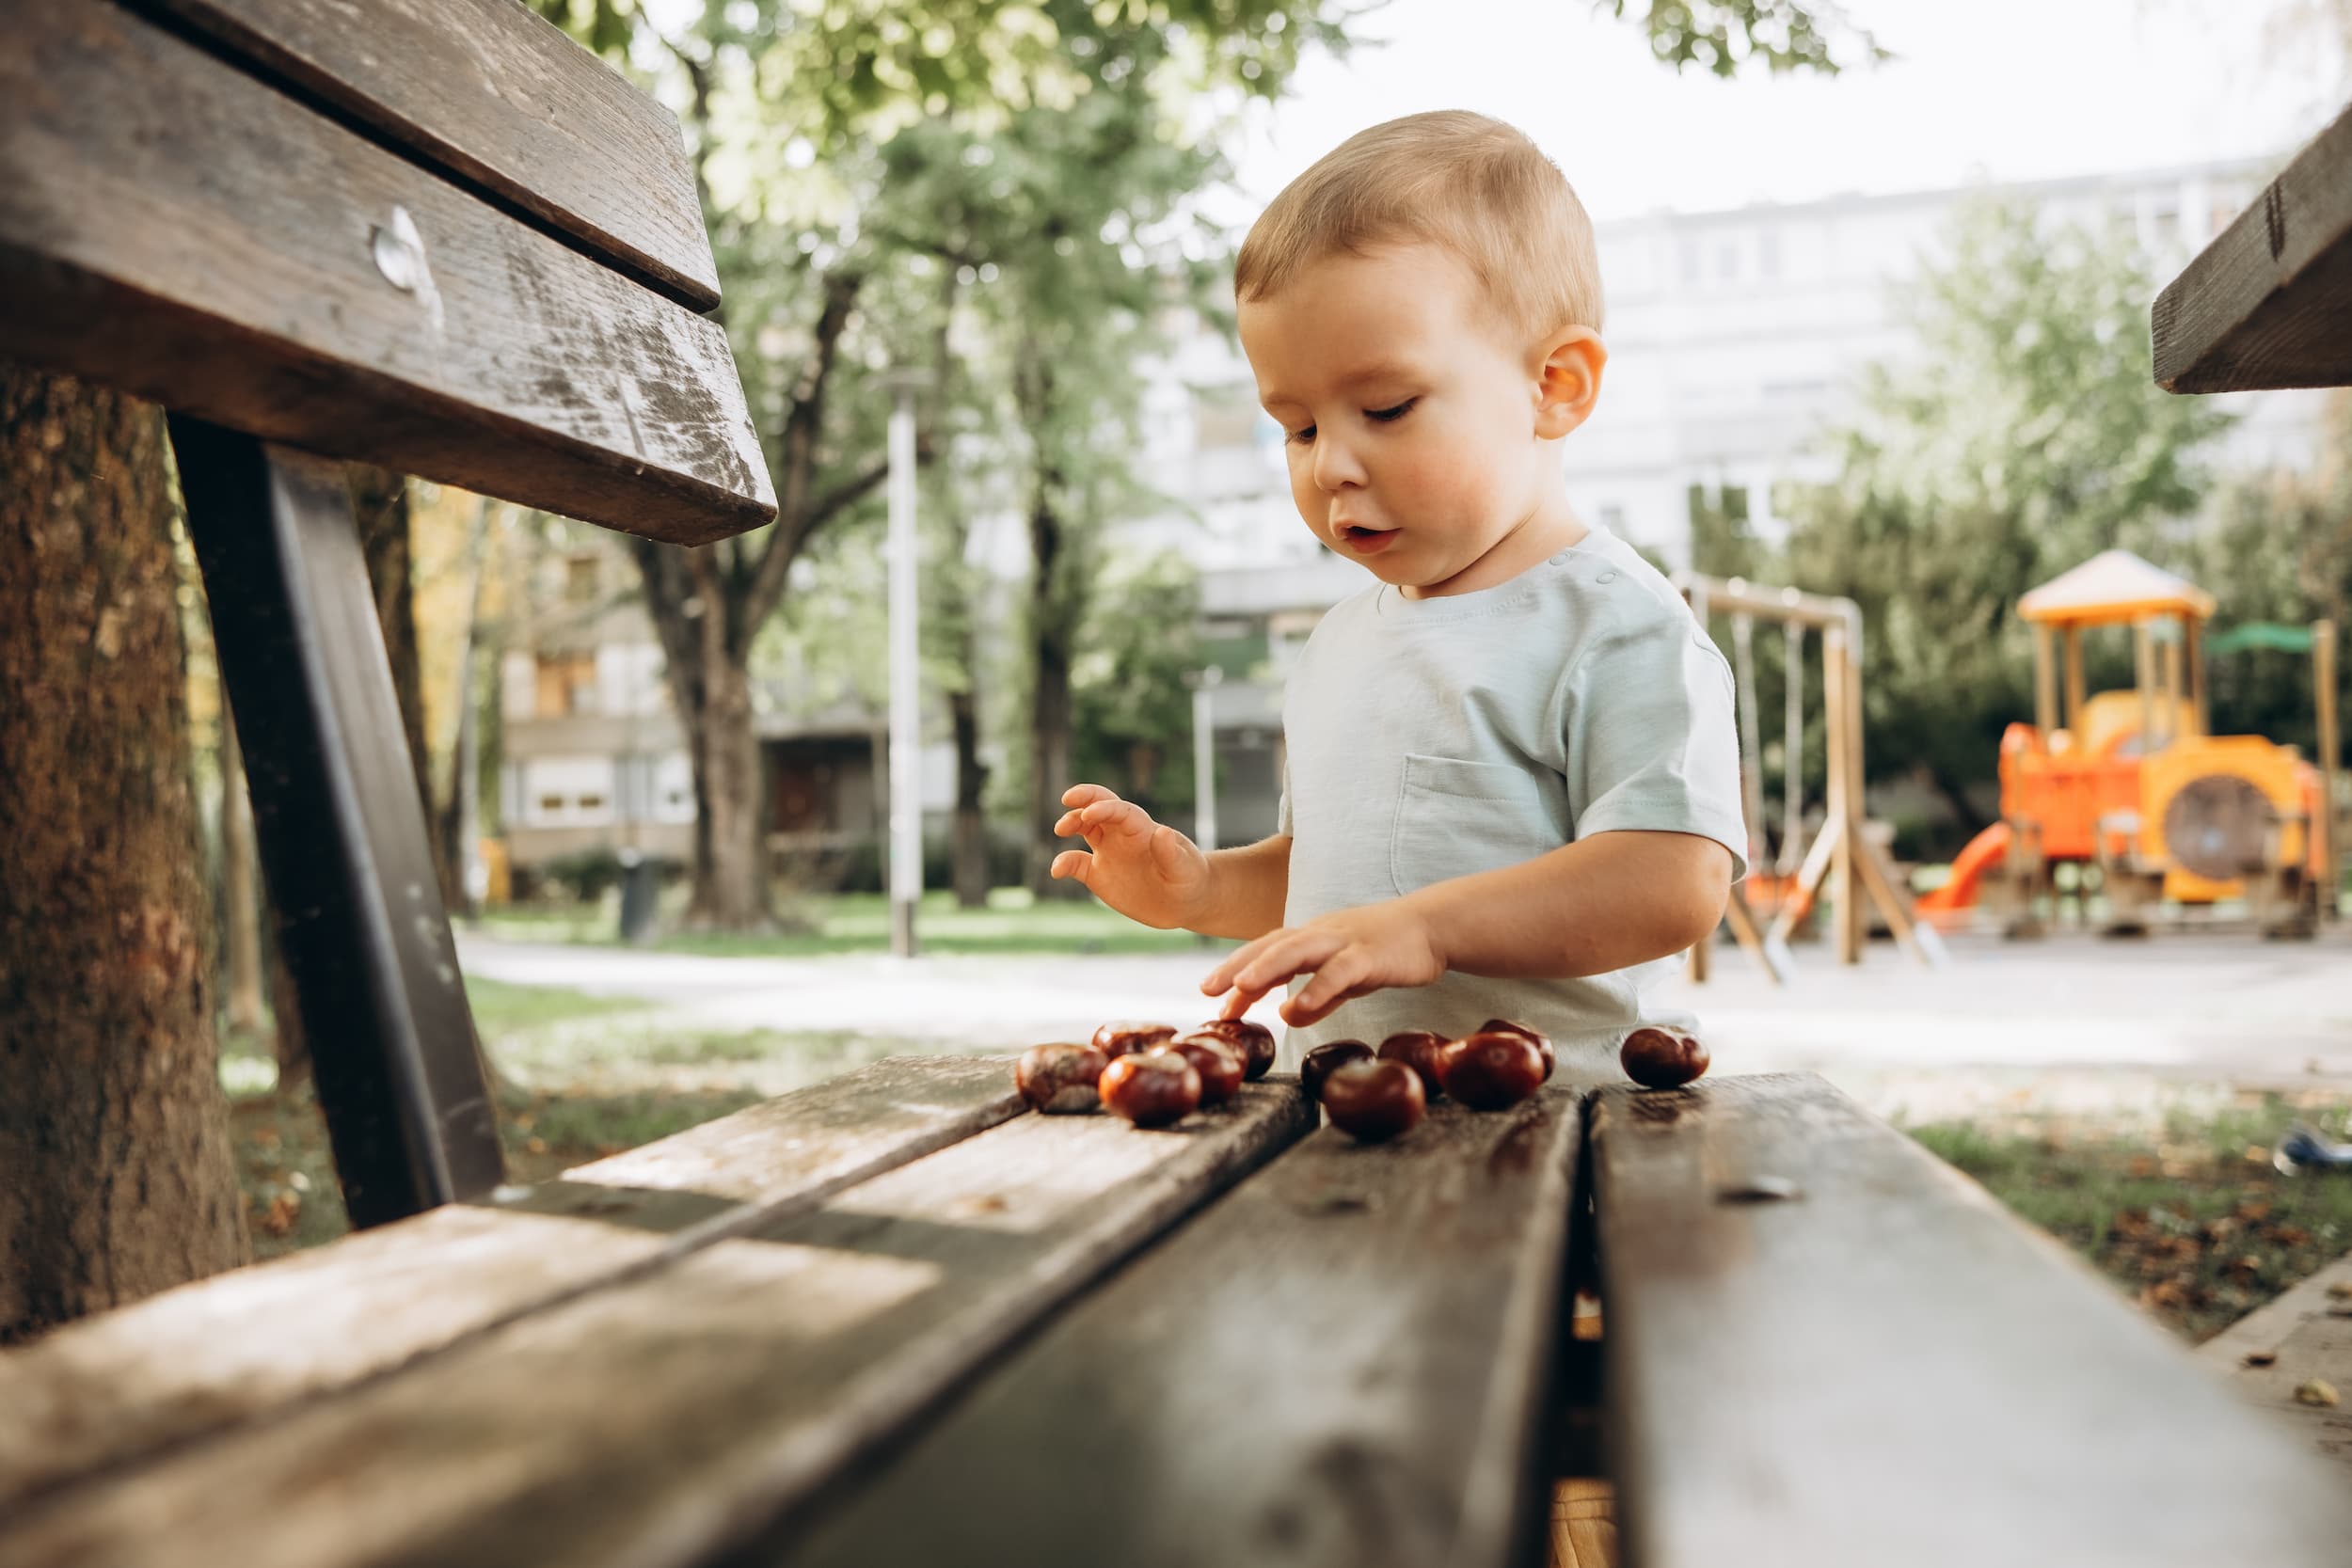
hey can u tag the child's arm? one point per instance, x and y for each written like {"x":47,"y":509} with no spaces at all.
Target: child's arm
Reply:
{"x":1153,"y":874}
{"x":1600,"y":903}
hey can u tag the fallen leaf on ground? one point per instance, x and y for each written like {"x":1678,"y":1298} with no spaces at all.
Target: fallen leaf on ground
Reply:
{"x":2317,"y":1391}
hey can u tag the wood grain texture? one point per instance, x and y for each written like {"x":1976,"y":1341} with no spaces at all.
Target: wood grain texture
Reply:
{"x":2269,"y":302}
{"x":1886,"y":1367}
{"x":505,"y":103}
{"x":246,"y":1344}
{"x":651,"y":1420}
{"x":1340,"y":1363}
{"x":174,"y":227}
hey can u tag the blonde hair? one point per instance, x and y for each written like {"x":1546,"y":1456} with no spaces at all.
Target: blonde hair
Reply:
{"x":1472,"y":184}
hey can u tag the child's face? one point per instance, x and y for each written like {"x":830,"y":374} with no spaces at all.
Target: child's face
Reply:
{"x":1419,"y":431}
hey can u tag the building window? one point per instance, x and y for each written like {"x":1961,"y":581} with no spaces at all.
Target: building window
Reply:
{"x":1768,"y":253}
{"x":1727,"y":261}
{"x":580,"y":580}
{"x":567,"y":685}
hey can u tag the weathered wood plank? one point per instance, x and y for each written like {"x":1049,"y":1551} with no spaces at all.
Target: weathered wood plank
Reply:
{"x":1342,"y":1363}
{"x":2269,"y":302}
{"x":1886,"y":1367}
{"x":503,"y":102}
{"x":174,"y":227}
{"x":651,"y":1420}
{"x":229,"y":1349}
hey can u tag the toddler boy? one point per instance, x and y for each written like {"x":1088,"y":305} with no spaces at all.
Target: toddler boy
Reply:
{"x":1512,"y":778}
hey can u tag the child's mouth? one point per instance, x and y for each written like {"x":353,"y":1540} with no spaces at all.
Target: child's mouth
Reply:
{"x":1367,"y":541}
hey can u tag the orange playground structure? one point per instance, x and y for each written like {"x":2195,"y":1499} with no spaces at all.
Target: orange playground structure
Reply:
{"x":2133,"y":784}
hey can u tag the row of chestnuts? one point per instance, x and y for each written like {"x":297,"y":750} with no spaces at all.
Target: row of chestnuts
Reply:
{"x":1146,"y":1072}
{"x":1376,"y":1096}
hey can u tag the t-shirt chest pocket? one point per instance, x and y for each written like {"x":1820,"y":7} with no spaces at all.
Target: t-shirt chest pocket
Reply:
{"x":1456,"y":818}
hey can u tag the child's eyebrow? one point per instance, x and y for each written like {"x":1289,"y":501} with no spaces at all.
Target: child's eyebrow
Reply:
{"x":1381,"y":370}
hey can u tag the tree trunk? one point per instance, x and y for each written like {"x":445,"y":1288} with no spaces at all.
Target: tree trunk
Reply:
{"x":241,"y":903}
{"x":460,"y":825}
{"x":1051,"y":634}
{"x":971,"y":856}
{"x":116,"y":1178}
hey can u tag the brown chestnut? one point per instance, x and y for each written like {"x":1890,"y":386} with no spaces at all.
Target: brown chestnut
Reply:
{"x":1124,"y":1039}
{"x":1660,"y":1059}
{"x":1417,"y":1048}
{"x":1373,"y":1102}
{"x":1153,"y":1088}
{"x":1543,"y":1046}
{"x":1218,"y":1064}
{"x":1326,"y":1059}
{"x":1059,"y":1079}
{"x":1255,"y":1043}
{"x":1491,"y":1071}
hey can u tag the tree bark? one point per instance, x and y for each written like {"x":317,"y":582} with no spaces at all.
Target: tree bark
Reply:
{"x":380,"y":500}
{"x":970,"y":849}
{"x":241,"y":903}
{"x":116,"y":1178}
{"x":1051,"y":635}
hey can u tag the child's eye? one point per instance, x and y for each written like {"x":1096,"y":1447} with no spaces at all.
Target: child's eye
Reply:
{"x":1387,"y":415}
{"x":1305,"y":437}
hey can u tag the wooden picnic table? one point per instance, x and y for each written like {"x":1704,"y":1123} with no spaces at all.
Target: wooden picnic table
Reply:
{"x":897,"y":1319}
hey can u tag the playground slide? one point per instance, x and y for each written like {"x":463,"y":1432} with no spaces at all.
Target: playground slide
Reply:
{"x":1984,"y":851}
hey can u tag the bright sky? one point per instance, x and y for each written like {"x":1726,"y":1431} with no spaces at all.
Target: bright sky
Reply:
{"x":1998,"y":89}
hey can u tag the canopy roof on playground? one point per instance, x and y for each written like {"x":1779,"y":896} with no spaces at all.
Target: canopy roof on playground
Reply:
{"x":2112,"y":586}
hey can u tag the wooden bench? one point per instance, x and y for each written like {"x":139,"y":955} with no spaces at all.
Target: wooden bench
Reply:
{"x":894,"y":1319}
{"x":430,"y":235}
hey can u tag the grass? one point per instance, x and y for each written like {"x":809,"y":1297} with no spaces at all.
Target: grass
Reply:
{"x":2188,"y":1218}
{"x":1015,"y":922}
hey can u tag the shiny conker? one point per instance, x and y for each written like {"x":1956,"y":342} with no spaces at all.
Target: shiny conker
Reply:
{"x":1255,"y":1043}
{"x":1375,"y":1101}
{"x":1326,"y":1059}
{"x":1492,"y":1069}
{"x":1115,"y":1040}
{"x":1417,"y":1048}
{"x":1660,"y":1059}
{"x":1153,"y":1088}
{"x":1059,"y":1079}
{"x":1218,"y":1064}
{"x":1543,"y":1045}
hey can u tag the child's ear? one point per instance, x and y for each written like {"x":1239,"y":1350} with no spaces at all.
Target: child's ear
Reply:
{"x":1567,"y":381}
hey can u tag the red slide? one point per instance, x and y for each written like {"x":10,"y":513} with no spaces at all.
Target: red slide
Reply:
{"x":1984,"y":851}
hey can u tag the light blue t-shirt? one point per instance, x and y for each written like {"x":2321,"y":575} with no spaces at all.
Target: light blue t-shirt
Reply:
{"x":1432,"y":738}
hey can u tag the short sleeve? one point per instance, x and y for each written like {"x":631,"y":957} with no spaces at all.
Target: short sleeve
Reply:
{"x":1652,"y":743}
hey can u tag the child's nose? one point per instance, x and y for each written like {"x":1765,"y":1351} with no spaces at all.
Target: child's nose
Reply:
{"x":1335,"y":466}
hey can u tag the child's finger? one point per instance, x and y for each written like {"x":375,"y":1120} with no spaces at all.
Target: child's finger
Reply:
{"x":1086,"y":795}
{"x":1124,"y":817}
{"x":1074,"y":865}
{"x":1291,"y":953}
{"x":1221,"y":978}
{"x":1338,"y":979}
{"x":1067,"y":826}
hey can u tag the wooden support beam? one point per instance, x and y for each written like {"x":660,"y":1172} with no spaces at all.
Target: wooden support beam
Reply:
{"x":2045,"y":708}
{"x":2324,"y":686}
{"x":1845,"y":783}
{"x":2269,"y":302}
{"x":2072,"y":717}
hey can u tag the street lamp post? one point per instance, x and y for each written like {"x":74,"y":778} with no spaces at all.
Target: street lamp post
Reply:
{"x":906,"y":734}
{"x":1204,"y":683}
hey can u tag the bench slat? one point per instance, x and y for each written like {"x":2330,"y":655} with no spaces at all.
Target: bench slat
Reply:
{"x":653,"y":1420}
{"x":2269,"y":302}
{"x":505,"y":103}
{"x":1342,"y":1363}
{"x":1887,"y":1367}
{"x":174,"y":227}
{"x":228,"y":1350}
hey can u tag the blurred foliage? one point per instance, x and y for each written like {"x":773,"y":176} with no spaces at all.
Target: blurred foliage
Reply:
{"x":2024,"y":435}
{"x":1722,"y":36}
{"x":1133,"y":712}
{"x":2280,"y":550}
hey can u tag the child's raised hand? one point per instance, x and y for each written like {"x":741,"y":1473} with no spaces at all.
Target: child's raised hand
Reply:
{"x":1145,"y":870}
{"x":1351,"y":953}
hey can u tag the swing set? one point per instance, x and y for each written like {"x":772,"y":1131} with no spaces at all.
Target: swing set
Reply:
{"x":1840,"y":854}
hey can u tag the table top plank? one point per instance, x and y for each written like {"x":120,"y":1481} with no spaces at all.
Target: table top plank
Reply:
{"x":2269,"y":302}
{"x":174,"y":227}
{"x":505,"y":103}
{"x":1342,"y":1362}
{"x":1886,"y":1367}
{"x":229,"y":1349}
{"x":651,"y":1420}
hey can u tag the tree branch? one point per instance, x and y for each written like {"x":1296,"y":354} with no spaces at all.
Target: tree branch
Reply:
{"x":804,"y":423}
